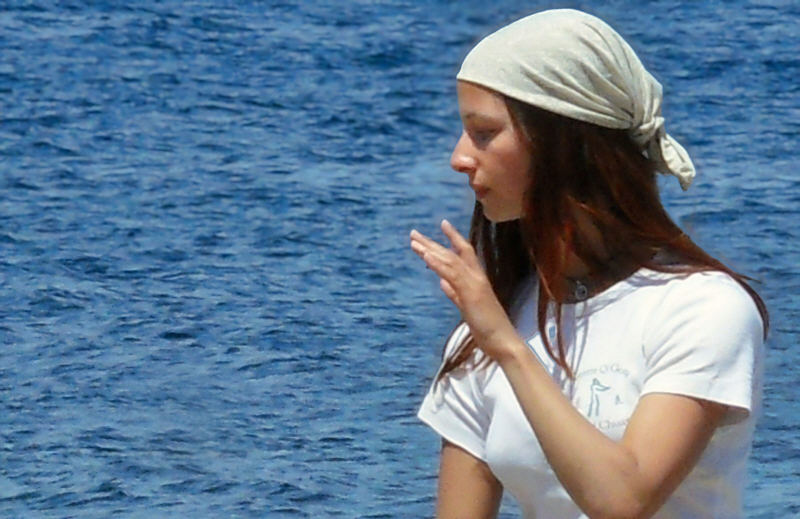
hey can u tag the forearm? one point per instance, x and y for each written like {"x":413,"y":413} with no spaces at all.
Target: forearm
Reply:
{"x":601,"y":476}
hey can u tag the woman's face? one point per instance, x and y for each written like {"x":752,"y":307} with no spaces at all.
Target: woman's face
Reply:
{"x":493,"y":154}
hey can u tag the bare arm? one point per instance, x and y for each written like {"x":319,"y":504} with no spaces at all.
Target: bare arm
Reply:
{"x":662,"y":442}
{"x":467,"y":488}
{"x":628,"y":479}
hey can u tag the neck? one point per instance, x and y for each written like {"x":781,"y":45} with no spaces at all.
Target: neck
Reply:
{"x":582,"y":281}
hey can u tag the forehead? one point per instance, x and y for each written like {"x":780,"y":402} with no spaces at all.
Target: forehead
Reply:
{"x":477,"y":102}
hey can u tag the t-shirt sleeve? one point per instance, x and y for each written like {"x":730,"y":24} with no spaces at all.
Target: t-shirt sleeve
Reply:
{"x":454,"y":407}
{"x":705,"y":341}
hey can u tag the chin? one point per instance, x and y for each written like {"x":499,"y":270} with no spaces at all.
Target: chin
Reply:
{"x":499,"y":216}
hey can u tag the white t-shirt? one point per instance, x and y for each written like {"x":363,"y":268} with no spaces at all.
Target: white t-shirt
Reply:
{"x":698,"y":335}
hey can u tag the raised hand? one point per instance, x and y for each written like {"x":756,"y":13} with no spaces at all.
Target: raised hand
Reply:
{"x":464,"y":282}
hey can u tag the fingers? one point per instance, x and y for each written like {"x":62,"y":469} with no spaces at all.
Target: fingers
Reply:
{"x":420,"y":244}
{"x":454,"y":265}
{"x":426,"y":242}
{"x":462,"y":248}
{"x":449,"y":291}
{"x":443,"y":261}
{"x":460,"y":244}
{"x":423,"y":245}
{"x":458,"y":241}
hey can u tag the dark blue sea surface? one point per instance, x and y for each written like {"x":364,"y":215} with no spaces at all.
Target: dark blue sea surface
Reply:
{"x":208,"y":307}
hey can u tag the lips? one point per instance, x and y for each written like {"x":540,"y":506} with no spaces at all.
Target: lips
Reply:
{"x":480,"y":191}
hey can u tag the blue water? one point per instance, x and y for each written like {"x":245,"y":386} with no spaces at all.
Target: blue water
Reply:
{"x":207,"y":304}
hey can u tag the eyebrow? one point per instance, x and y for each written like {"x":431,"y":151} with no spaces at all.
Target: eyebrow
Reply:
{"x":479,"y":116}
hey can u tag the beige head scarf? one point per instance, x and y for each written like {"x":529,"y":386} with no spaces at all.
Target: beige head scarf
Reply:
{"x":574,"y":64}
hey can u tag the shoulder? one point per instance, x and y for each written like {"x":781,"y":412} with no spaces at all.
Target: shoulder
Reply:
{"x":704,"y":338}
{"x":664,"y":297}
{"x":707,"y":295}
{"x":700,"y":310}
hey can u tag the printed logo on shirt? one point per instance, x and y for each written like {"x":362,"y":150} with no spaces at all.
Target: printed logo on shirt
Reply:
{"x":604,"y":395}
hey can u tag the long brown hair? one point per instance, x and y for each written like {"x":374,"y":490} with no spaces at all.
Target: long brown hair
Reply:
{"x":581,"y":168}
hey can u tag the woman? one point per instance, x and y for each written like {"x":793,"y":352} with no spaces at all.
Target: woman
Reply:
{"x":606,"y":366}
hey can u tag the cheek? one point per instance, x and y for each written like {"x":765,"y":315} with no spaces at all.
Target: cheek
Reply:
{"x":521,"y":171}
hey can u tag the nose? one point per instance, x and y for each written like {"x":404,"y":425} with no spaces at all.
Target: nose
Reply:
{"x":462,"y":159}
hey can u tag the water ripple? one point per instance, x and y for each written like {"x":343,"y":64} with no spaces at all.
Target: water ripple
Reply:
{"x":207,"y":304}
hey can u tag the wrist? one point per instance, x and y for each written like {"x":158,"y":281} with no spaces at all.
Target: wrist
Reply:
{"x":505,"y":345}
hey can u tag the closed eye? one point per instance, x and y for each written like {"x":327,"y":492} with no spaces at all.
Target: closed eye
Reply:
{"x":482,"y":137}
